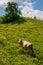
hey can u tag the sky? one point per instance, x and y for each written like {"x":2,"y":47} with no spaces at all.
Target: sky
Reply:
{"x":29,"y":8}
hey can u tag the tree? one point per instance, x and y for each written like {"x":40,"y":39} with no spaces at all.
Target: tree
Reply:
{"x":12,"y":12}
{"x":34,"y":17}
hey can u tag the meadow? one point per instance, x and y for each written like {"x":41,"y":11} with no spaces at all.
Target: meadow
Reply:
{"x":11,"y":53}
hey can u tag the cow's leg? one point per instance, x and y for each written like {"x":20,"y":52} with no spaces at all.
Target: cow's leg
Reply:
{"x":33,"y":54}
{"x":31,"y":51}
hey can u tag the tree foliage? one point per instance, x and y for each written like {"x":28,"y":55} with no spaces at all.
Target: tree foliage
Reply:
{"x":12,"y":12}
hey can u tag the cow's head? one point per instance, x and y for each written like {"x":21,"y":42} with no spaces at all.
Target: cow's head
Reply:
{"x":20,"y":41}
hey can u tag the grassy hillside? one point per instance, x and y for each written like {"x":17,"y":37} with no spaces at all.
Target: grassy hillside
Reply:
{"x":11,"y":53}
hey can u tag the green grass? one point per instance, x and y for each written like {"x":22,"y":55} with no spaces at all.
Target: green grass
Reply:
{"x":11,"y":53}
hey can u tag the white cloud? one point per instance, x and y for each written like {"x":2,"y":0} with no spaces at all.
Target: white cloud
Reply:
{"x":27,"y":4}
{"x":3,"y":2}
{"x":28,"y":11}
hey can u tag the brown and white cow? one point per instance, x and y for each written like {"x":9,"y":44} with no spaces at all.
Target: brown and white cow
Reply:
{"x":27,"y":45}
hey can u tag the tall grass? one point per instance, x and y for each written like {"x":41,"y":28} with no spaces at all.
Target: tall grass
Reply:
{"x":11,"y":53}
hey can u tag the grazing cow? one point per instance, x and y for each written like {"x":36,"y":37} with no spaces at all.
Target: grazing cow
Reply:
{"x":26,"y":45}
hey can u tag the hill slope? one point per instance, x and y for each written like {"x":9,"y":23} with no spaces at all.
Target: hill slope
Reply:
{"x":11,"y":53}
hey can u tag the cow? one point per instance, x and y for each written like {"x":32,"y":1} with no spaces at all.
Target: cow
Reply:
{"x":27,"y":45}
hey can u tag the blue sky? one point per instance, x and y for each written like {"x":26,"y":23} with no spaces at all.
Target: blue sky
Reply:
{"x":2,"y":11}
{"x":29,"y":8}
{"x":39,"y":5}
